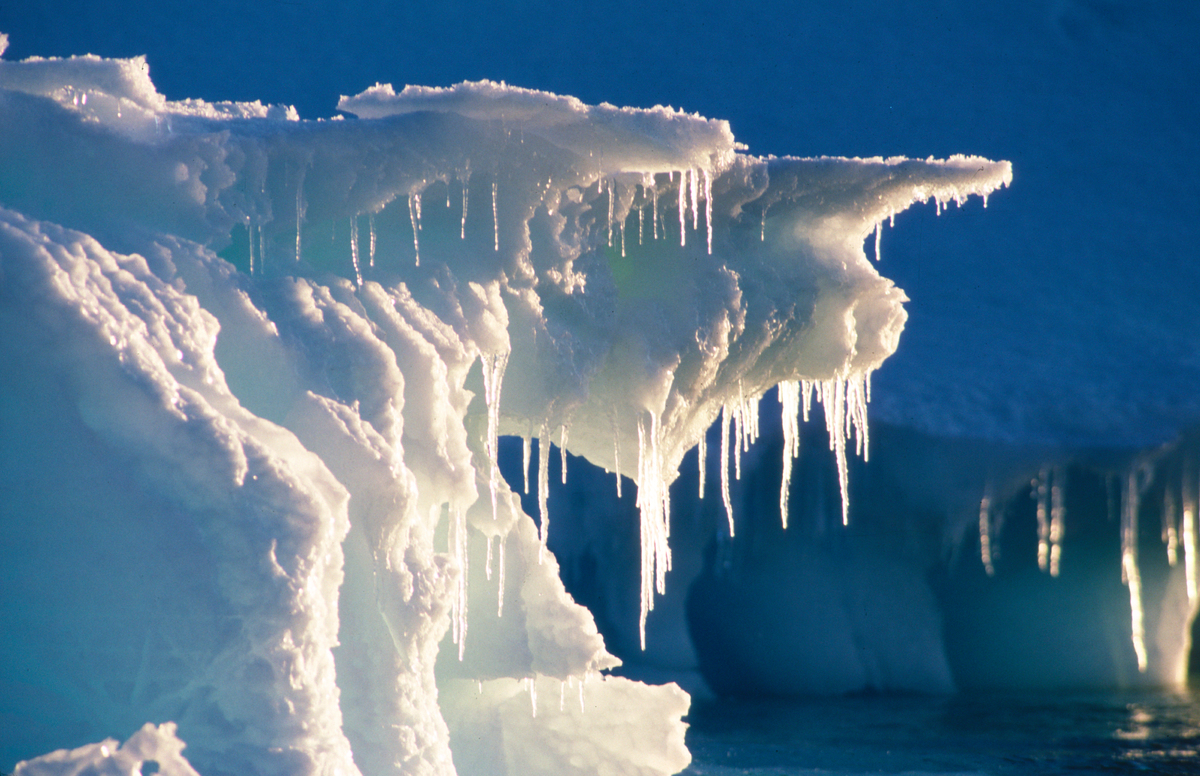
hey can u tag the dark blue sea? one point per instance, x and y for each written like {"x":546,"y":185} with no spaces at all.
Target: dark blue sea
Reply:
{"x":1034,"y":733}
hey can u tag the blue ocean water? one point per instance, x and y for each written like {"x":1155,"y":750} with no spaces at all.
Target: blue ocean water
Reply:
{"x":1012,"y":733}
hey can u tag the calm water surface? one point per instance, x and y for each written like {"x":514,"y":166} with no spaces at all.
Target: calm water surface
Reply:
{"x":1042,"y":733}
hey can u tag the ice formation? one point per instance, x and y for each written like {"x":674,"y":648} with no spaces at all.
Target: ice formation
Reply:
{"x":296,"y":450}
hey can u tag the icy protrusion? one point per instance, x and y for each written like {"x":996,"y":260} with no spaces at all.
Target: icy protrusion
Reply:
{"x":985,"y":532}
{"x":1170,"y":535}
{"x":641,"y":222}
{"x":543,"y":484}
{"x":725,"y":420}
{"x":878,"y":238}
{"x":654,"y":505}
{"x":708,"y":207}
{"x":789,"y":397}
{"x":493,"y":379}
{"x":500,"y":540}
{"x":616,"y":452}
{"x":354,"y":249}
{"x":562,"y":449}
{"x":702,"y":459}
{"x":414,"y":215}
{"x":1130,"y":503}
{"x":612,"y":196}
{"x":845,"y":405}
{"x":525,"y":445}
{"x":458,"y":605}
{"x":371,"y":225}
{"x":300,"y":207}
{"x":1041,"y":489}
{"x":693,"y":191}
{"x":495,"y":218}
{"x":1058,"y":514}
{"x":1189,"y":540}
{"x":465,"y":178}
{"x":654,"y":209}
{"x":682,"y":209}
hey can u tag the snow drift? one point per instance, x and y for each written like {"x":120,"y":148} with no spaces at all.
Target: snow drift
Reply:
{"x":256,"y":372}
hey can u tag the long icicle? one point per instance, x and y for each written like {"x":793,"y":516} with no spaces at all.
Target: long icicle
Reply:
{"x":789,"y":397}
{"x":414,"y":214}
{"x":543,"y":488}
{"x":725,"y":419}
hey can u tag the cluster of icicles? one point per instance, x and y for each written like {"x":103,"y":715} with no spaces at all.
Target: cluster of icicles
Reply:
{"x":1179,"y":527}
{"x":844,"y":399}
{"x":694,"y":189}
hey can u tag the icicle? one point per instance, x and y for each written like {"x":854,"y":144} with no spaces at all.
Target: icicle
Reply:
{"x":354,"y":249}
{"x":371,"y":224}
{"x":616,"y":452}
{"x":985,"y":532}
{"x":525,"y":460}
{"x":762,"y":233}
{"x":462,"y":233}
{"x":789,"y":397}
{"x":708,"y":207}
{"x":581,"y":707}
{"x":531,"y":683}
{"x":694,"y":191}
{"x":1129,"y":565}
{"x":1058,"y":513}
{"x":1169,"y":535}
{"x":299,"y":212}
{"x":611,"y":197}
{"x":487,"y":561}
{"x":701,"y":458}
{"x":458,"y":548}
{"x":654,"y":209}
{"x":682,"y":210}
{"x":832,"y":395}
{"x":878,"y":237}
{"x":622,"y":238}
{"x":725,"y":418}
{"x":1042,"y":494}
{"x":892,"y":220}
{"x":262,"y":251}
{"x":543,"y":489}
{"x":641,"y":223}
{"x":1189,"y":541}
{"x":495,"y":219}
{"x":737,"y":437}
{"x":562,"y":696}
{"x":562,"y":448}
{"x":500,"y":540}
{"x":250,"y":235}
{"x":654,"y":506}
{"x":414,"y":215}
{"x":493,"y":378}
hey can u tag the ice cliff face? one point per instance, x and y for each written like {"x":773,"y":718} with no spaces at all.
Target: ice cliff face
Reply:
{"x":257,"y":493}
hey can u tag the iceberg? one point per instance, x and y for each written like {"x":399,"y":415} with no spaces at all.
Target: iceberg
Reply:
{"x":257,"y":369}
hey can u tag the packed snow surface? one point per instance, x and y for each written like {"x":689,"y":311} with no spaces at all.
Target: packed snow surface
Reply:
{"x":294,"y":442}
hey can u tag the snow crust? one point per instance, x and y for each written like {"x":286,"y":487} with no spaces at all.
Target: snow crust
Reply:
{"x":315,"y":430}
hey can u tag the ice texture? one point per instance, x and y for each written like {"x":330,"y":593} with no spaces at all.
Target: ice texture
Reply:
{"x":260,"y":498}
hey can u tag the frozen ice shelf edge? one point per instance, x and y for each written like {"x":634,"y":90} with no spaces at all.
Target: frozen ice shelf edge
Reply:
{"x":312,"y":446}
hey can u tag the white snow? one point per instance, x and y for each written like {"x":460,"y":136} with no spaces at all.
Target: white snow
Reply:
{"x":323,"y":434}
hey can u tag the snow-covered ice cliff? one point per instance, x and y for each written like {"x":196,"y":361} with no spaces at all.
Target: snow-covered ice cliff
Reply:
{"x":256,"y":372}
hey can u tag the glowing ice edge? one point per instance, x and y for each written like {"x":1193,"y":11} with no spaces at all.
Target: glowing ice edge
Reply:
{"x":361,"y":433}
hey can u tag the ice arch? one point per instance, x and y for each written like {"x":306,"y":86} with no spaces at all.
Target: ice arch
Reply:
{"x":256,"y":494}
